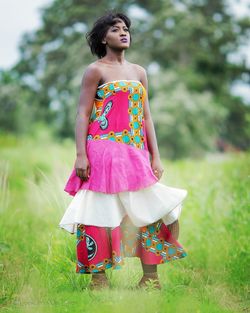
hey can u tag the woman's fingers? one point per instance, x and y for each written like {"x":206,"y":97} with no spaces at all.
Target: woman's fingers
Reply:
{"x":82,"y":173}
{"x":88,"y":171}
{"x":79,"y":172}
{"x":158,"y":172}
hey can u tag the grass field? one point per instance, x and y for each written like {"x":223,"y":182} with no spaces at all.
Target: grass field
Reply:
{"x":38,"y":258}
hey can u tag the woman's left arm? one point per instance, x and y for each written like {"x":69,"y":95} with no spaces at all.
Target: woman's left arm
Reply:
{"x":150,"y":131}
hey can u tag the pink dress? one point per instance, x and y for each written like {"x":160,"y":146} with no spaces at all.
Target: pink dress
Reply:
{"x":122,"y":210}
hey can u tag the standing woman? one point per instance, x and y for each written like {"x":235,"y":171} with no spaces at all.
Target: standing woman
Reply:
{"x":119,"y":207}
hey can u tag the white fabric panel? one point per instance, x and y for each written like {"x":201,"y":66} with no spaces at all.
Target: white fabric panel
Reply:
{"x":143,"y":207}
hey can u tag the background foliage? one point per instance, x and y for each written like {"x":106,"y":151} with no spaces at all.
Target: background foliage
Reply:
{"x":186,"y":47}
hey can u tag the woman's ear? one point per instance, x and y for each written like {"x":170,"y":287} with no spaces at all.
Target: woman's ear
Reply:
{"x":104,"y":41}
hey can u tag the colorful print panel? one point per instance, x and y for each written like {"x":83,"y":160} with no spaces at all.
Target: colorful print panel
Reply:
{"x":118,"y":114}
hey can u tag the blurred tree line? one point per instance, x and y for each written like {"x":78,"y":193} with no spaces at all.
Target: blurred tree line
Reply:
{"x":185,"y":45}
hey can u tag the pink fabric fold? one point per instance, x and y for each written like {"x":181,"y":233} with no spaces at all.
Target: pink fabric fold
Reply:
{"x":115,"y":167}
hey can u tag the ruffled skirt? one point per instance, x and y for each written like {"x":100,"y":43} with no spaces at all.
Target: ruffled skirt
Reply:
{"x":121,"y":210}
{"x":143,"y":207}
{"x":109,"y":227}
{"x":115,"y":167}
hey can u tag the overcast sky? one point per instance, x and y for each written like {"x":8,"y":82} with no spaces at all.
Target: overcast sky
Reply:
{"x":19,"y":16}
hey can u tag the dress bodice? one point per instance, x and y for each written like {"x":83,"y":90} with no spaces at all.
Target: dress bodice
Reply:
{"x":117,"y":113}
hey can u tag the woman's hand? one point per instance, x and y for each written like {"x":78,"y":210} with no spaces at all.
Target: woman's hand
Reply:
{"x":82,"y":167}
{"x":157,"y":167}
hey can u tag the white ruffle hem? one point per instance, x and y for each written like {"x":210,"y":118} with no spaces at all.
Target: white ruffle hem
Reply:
{"x":143,"y":207}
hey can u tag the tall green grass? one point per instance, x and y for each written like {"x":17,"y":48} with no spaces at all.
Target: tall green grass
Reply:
{"x":38,"y":258}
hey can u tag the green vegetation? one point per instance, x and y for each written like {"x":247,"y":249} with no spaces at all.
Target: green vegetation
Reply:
{"x":38,"y":259}
{"x":186,"y":47}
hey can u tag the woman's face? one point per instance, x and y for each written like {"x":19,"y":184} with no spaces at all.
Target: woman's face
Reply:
{"x":117,"y":36}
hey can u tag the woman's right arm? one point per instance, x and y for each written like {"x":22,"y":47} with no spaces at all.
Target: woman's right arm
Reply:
{"x":89,"y":85}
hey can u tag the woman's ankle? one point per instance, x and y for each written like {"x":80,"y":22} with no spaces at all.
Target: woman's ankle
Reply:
{"x":99,"y":275}
{"x":153,"y":275}
{"x":149,"y":268}
{"x":99,"y":281}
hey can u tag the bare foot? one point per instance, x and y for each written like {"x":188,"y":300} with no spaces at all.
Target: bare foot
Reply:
{"x":149,"y":280}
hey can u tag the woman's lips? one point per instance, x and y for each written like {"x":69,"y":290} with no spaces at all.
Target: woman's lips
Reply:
{"x":124,"y":40}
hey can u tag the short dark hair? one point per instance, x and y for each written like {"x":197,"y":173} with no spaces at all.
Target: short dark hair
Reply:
{"x":99,"y":30}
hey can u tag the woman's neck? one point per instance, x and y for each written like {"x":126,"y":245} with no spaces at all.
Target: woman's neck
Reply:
{"x":114,"y":57}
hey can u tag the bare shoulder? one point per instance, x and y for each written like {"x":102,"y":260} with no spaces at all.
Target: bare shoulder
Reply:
{"x":92,"y":73}
{"x":140,"y":69}
{"x":141,"y":74}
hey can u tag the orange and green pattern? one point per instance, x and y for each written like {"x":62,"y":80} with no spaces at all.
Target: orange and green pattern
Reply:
{"x":100,"y":248}
{"x":118,"y":113}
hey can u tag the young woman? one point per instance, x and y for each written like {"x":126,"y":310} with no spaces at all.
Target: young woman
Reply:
{"x":119,"y":208}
